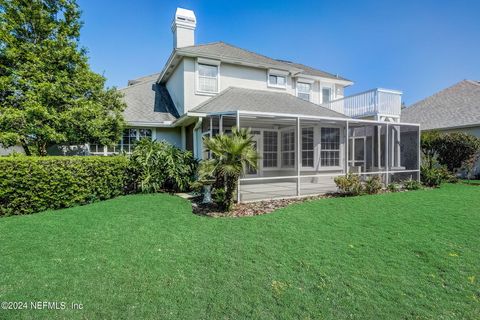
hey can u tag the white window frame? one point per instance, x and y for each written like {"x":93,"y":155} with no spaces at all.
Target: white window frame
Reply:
{"x":208,"y":62}
{"x":277,"y":152}
{"x":309,"y":93}
{"x":277,"y":73}
{"x":120,"y":146}
{"x":332,"y":92}
{"x":308,"y":150}
{"x":290,"y":151}
{"x":304,"y":81}
{"x":340,"y":147}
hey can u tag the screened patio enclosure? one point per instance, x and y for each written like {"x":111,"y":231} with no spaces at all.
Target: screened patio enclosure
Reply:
{"x":301,"y":155}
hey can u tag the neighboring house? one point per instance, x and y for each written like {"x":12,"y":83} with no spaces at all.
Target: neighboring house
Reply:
{"x":454,"y":109}
{"x":304,"y":128}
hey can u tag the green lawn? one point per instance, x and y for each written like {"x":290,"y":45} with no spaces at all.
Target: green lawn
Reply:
{"x":413,"y":255}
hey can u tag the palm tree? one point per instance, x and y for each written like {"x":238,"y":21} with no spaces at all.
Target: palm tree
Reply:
{"x":230,"y":156}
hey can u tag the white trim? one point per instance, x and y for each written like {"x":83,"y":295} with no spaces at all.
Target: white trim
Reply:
{"x":299,"y":160}
{"x":302,"y":116}
{"x":277,"y":73}
{"x":310,"y":91}
{"x":331,"y":87}
{"x":389,"y":91}
{"x":238,"y":182}
{"x":344,"y":83}
{"x":322,"y":175}
{"x":305,"y":80}
{"x":166,"y":124}
{"x":212,"y":63}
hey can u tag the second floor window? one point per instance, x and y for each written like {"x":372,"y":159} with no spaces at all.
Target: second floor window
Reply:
{"x":207,"y":78}
{"x":303,"y":90}
{"x":277,"y":80}
{"x":326,"y":95}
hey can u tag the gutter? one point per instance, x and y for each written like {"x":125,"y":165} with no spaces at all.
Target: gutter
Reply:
{"x":467,"y":126}
{"x":167,"y":124}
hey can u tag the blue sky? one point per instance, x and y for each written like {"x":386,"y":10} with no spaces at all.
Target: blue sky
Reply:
{"x":419,"y":47}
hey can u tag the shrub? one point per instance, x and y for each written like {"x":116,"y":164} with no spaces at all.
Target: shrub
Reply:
{"x":411,"y":184}
{"x":468,"y":166}
{"x":455,"y":148}
{"x":157,"y":166}
{"x":32,"y":184}
{"x":393,"y":187}
{"x":446,"y":175}
{"x":219,"y":196}
{"x":231,"y":155}
{"x":430,"y":143}
{"x":349,"y":184}
{"x":432,"y":177}
{"x":373,"y":184}
{"x":450,"y":149}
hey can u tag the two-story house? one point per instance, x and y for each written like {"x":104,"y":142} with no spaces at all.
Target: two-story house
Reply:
{"x":306,"y":131}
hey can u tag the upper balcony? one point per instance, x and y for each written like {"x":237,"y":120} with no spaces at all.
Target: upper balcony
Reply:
{"x":378,"y":104}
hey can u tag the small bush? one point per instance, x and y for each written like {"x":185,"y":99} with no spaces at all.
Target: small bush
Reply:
{"x":447,"y":176}
{"x":393,"y":187}
{"x":432,"y":177}
{"x":219,"y":196}
{"x":373,"y":185}
{"x":158,"y":166}
{"x":32,"y":184}
{"x":411,"y":184}
{"x":349,"y":184}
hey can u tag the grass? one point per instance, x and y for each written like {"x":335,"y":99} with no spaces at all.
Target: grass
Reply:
{"x":472,"y":181}
{"x":411,"y":255}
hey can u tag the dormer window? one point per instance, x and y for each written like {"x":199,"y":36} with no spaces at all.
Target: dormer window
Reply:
{"x":207,"y":78}
{"x":277,"y":79}
{"x":303,"y":90}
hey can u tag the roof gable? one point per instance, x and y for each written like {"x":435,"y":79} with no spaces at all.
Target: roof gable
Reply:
{"x":226,"y":52}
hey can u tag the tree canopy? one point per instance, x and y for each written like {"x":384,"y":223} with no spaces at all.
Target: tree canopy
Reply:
{"x":48,"y":93}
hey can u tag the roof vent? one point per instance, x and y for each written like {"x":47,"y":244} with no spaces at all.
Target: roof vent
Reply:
{"x":183,"y":28}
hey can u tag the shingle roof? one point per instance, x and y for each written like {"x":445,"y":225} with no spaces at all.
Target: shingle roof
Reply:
{"x":222,"y":50}
{"x":312,"y":71}
{"x":148,"y":101}
{"x":456,"y":106}
{"x":233,"y":99}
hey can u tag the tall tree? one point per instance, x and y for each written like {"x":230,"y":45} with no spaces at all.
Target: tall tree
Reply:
{"x":48,"y":93}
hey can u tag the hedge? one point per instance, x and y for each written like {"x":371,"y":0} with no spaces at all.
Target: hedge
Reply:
{"x":32,"y":184}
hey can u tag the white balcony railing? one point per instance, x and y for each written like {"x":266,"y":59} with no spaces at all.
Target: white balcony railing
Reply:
{"x":376,"y":102}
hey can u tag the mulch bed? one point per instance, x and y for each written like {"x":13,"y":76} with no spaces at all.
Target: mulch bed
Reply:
{"x":249,"y":209}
